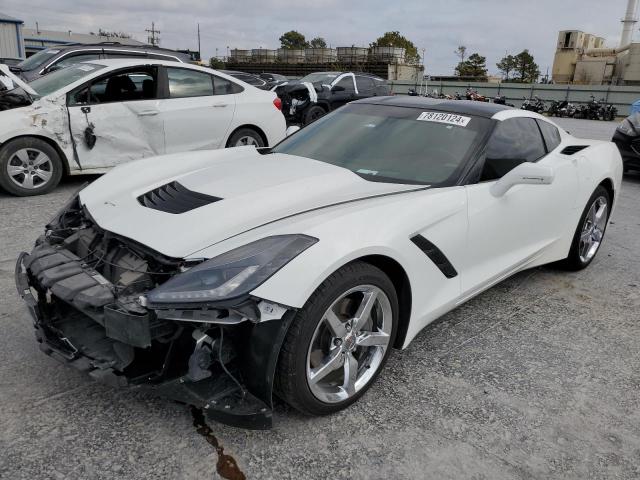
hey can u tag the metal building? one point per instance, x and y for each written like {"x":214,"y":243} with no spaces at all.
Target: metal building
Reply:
{"x":11,"y":42}
{"x":39,"y":39}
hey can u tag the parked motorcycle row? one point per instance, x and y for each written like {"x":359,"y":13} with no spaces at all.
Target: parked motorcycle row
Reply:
{"x":594,"y":110}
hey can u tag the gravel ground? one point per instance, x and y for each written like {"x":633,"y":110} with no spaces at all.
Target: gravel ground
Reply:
{"x":536,"y":378}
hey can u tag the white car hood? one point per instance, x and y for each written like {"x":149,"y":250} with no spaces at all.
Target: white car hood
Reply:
{"x":254,"y":189}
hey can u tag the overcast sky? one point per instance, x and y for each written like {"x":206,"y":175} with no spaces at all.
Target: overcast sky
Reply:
{"x":489,"y":27}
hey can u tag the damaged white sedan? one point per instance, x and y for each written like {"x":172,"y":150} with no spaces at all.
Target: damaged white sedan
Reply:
{"x":217,"y":278}
{"x":89,"y":117}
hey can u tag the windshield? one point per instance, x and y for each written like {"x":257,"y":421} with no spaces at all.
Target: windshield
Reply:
{"x":324,"y":78}
{"x":61,"y":78}
{"x":37,"y":60}
{"x":391,"y":144}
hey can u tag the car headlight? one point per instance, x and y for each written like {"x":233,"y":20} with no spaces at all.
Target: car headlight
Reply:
{"x":231,"y":274}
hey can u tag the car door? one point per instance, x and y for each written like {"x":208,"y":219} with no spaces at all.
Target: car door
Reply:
{"x":345,"y":93}
{"x":509,"y":232}
{"x":115,"y":118}
{"x":366,"y":87}
{"x":198,"y":111}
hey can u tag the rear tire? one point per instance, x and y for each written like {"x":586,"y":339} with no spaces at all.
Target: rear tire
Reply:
{"x":29,"y":166}
{"x":314,"y":113}
{"x":326,"y":341}
{"x":245,"y":137}
{"x":590,"y":232}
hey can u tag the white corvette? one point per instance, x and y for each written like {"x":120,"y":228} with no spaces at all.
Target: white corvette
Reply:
{"x":219,"y":277}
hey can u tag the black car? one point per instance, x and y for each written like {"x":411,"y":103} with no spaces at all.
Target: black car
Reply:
{"x":61,"y":56}
{"x":247,"y":78}
{"x":627,"y":139}
{"x":311,"y":97}
{"x":273,"y":79}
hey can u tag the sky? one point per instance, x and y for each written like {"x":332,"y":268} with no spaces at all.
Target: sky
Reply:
{"x":488,"y":27}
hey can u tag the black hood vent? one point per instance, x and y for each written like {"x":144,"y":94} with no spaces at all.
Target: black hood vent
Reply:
{"x":571,"y":149}
{"x":175,"y":198}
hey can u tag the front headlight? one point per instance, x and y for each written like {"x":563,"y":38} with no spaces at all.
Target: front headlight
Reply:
{"x":231,"y":274}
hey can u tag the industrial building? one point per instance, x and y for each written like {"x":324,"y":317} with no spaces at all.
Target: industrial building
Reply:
{"x":37,"y":39}
{"x":387,"y":62}
{"x":11,"y":41}
{"x":582,"y":58}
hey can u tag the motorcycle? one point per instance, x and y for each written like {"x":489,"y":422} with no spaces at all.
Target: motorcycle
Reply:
{"x":502,"y":100}
{"x":475,"y":96}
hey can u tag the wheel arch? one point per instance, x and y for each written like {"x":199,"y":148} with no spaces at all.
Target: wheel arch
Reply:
{"x":607,"y":183}
{"x":257,"y":129}
{"x":400,"y":280}
{"x":52,"y":143}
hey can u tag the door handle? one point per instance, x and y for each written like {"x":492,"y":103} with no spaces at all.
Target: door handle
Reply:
{"x":146,"y":113}
{"x":220,"y":105}
{"x":85,"y":110}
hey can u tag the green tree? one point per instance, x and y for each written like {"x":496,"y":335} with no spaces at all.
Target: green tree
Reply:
{"x":216,"y":63}
{"x":474,"y":66}
{"x":293,"y":40}
{"x":318,"y":42}
{"x":507,"y":65}
{"x":526,"y":68}
{"x":394,"y":39}
{"x":461,"y":52}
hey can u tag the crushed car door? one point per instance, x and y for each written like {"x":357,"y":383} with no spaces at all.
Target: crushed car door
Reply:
{"x":511,"y":231}
{"x":115,"y":118}
{"x":345,"y":91}
{"x":199,"y":110}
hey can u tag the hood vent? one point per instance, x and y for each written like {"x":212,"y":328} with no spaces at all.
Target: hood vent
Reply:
{"x":175,"y":198}
{"x":571,"y":149}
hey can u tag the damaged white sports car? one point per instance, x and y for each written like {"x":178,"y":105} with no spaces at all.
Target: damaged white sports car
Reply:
{"x":89,"y":117}
{"x":219,"y":277}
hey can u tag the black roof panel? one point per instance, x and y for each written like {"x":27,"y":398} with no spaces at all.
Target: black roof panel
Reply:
{"x":481,"y":109}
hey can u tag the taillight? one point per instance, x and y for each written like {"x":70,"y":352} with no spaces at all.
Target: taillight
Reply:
{"x":277,"y":103}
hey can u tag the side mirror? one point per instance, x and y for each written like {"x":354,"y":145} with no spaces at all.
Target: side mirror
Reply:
{"x":291,"y":130}
{"x":337,"y":88}
{"x":524,"y":174}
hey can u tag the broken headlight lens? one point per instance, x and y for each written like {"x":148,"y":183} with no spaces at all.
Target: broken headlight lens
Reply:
{"x":231,"y":274}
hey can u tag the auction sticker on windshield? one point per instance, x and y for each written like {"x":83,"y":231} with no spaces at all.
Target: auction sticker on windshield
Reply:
{"x":448,"y":118}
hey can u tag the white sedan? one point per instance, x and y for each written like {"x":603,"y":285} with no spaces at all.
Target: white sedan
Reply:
{"x":90,"y":117}
{"x":219,"y":277}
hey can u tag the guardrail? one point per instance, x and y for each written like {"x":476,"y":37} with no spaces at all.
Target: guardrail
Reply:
{"x":620,"y":96}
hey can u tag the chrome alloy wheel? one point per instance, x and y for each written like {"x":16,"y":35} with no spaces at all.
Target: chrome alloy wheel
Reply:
{"x":349,"y":344}
{"x":30,"y":168}
{"x":593,"y":229}
{"x":246,"y":140}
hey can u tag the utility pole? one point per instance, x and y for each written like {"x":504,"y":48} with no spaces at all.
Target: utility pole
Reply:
{"x":199,"y":54}
{"x":152,"y":39}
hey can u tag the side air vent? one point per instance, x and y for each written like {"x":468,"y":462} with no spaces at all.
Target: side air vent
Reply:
{"x":571,"y":149}
{"x":175,"y":198}
{"x":435,"y":255}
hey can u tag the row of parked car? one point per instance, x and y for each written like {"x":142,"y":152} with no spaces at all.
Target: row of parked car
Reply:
{"x":82,"y":109}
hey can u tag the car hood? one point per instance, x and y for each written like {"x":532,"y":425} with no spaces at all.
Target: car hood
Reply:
{"x":250,"y":190}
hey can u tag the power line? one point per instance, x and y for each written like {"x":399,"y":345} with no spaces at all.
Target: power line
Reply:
{"x":153,"y":38}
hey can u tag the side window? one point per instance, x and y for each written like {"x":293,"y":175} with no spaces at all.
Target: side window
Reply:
{"x":347,"y":84}
{"x":189,"y":83}
{"x":222,"y":86}
{"x":382,"y":88}
{"x":550,"y":134}
{"x":73,"y":59}
{"x":119,"y":87}
{"x":512,"y":142}
{"x":365,"y":85}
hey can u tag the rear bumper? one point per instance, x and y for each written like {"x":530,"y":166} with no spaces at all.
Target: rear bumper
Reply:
{"x":85,"y":342}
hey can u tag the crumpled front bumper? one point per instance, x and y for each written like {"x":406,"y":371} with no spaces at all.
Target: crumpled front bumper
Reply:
{"x":248,"y":405}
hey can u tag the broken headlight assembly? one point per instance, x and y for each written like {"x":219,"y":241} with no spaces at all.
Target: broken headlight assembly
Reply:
{"x":230,"y":275}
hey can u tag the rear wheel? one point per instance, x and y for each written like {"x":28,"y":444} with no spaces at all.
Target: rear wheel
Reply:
{"x":590,"y":232}
{"x":339,"y":341}
{"x":313,"y":113}
{"x":29,"y":166}
{"x":246,"y":137}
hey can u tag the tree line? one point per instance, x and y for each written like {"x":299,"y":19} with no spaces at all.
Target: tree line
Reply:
{"x":514,"y":68}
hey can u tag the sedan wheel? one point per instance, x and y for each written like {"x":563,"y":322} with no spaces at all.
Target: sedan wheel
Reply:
{"x":349,"y":344}
{"x":246,"y":140}
{"x":29,"y":166}
{"x":339,"y":341}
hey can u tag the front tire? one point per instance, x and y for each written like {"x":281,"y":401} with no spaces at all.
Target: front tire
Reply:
{"x":29,"y":166}
{"x":590,"y":231}
{"x":313,"y":113}
{"x":339,"y":341}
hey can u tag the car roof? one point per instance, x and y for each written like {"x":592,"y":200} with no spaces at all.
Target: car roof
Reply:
{"x":470,"y":107}
{"x":141,"y":61}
